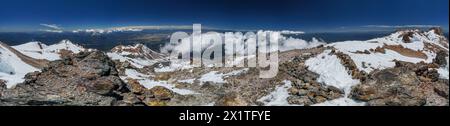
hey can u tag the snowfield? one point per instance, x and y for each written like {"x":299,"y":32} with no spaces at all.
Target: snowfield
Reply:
{"x":279,"y":96}
{"x":39,"y":50}
{"x":216,"y":77}
{"x":12,"y":68}
{"x":147,"y":82}
{"x":136,"y":62}
{"x":331,"y":71}
{"x":341,"y":102}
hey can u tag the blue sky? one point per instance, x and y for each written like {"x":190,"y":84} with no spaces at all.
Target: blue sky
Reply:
{"x":306,"y":15}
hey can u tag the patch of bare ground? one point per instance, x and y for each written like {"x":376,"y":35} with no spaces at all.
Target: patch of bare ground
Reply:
{"x":406,"y":52}
{"x":402,"y":51}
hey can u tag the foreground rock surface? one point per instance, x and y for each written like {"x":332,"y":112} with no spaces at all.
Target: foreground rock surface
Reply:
{"x":87,"y":78}
{"x":407,"y":84}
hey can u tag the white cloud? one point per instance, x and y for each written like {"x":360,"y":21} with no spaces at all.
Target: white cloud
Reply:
{"x":155,"y":27}
{"x":52,"y":26}
{"x":294,"y":43}
{"x":241,"y":39}
{"x":287,"y":32}
{"x":400,"y":26}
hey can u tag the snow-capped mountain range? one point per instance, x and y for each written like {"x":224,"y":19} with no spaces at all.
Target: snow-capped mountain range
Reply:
{"x":39,"y":50}
{"x":337,"y":65}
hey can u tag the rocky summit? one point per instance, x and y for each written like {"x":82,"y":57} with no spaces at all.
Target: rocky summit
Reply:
{"x":81,"y":79}
{"x":86,"y":78}
{"x":405,"y":68}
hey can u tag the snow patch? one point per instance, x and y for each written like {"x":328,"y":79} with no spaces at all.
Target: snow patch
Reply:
{"x":136,"y":62}
{"x":12,"y":68}
{"x":213,"y":76}
{"x":189,"y":81}
{"x":341,"y":102}
{"x":216,"y":77}
{"x":331,"y":71}
{"x":145,"y":81}
{"x":174,"y":66}
{"x":279,"y":96}
{"x":372,"y":61}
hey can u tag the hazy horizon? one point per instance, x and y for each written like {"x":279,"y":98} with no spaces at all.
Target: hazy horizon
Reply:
{"x":297,"y":15}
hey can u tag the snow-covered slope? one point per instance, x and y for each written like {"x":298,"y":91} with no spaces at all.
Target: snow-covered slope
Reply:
{"x":39,"y":50}
{"x":380,"y":53}
{"x":279,"y":96}
{"x":147,"y":81}
{"x":331,"y":71}
{"x":12,"y":67}
{"x":138,"y":55}
{"x":409,"y":45}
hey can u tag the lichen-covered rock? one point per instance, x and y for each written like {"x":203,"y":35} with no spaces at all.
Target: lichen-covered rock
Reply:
{"x":441,"y":58}
{"x":84,"y":79}
{"x":407,"y":84}
{"x":161,"y":93}
{"x":162,"y":77}
{"x":157,"y":96}
{"x":312,"y":93}
{"x":2,"y":86}
{"x":231,"y":99}
{"x":135,"y":86}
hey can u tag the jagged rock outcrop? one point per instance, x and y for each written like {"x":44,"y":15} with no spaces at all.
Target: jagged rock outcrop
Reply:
{"x":407,"y":36}
{"x":156,"y":96}
{"x":87,"y":78}
{"x":441,"y":58}
{"x":407,"y":84}
{"x":312,"y":93}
